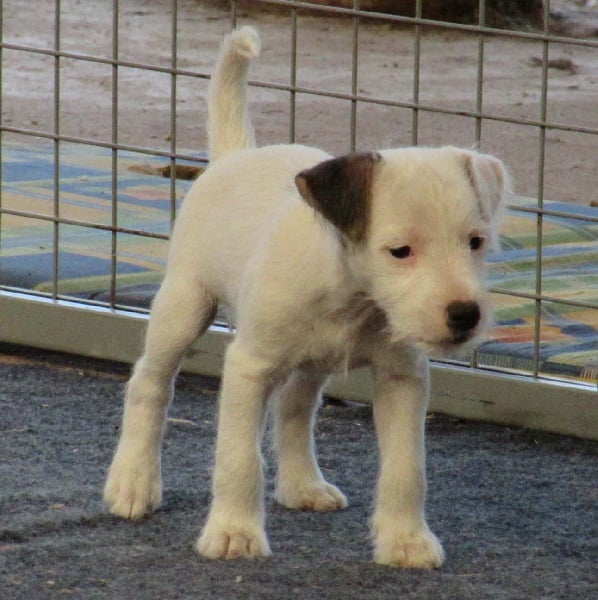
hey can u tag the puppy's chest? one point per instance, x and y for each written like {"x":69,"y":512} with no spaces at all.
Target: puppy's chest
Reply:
{"x":339,"y":341}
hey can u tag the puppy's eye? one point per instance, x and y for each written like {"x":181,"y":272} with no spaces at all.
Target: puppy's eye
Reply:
{"x":401,"y":252}
{"x":476,"y":242}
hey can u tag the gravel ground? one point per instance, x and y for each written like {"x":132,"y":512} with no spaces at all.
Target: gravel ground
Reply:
{"x":515,"y":509}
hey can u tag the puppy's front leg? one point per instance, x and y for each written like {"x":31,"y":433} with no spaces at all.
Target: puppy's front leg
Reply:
{"x":401,"y":534}
{"x":235,"y":525}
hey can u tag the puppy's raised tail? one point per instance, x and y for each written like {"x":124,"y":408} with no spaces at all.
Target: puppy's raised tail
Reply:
{"x":229,"y":123}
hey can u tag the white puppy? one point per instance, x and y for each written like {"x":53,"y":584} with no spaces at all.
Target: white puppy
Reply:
{"x":327,"y":263}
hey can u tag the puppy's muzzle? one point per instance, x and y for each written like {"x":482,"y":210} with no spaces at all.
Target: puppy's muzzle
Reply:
{"x":462,"y":319}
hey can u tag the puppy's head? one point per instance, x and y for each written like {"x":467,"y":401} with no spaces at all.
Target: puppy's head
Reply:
{"x":416,"y":224}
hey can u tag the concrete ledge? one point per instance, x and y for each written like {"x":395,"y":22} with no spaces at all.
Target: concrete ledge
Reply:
{"x":74,"y":328}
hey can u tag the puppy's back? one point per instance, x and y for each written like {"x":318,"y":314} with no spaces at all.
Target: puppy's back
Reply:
{"x":236,"y":208}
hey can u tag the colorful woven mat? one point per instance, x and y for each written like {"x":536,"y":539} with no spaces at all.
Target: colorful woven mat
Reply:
{"x":88,"y":253}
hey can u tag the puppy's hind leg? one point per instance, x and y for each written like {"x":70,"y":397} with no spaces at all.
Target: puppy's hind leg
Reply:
{"x":182,"y":310}
{"x":300,"y":481}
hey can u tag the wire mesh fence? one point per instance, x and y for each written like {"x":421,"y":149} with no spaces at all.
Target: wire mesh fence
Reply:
{"x":102,"y":128}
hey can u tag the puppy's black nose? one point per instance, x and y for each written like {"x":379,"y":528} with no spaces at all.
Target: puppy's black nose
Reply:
{"x":462,"y":316}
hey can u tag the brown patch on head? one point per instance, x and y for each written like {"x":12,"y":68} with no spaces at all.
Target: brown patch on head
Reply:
{"x":339,"y":189}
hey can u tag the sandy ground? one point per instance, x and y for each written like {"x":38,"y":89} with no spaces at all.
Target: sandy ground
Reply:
{"x":512,"y":85}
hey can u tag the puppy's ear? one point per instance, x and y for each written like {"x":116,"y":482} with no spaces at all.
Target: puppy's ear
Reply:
{"x":490,"y":182}
{"x":339,"y":189}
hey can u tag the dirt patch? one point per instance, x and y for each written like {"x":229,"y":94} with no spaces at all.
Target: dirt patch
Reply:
{"x":448,"y":75}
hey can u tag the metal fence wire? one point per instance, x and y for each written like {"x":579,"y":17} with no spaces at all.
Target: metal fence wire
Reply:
{"x":104,"y":100}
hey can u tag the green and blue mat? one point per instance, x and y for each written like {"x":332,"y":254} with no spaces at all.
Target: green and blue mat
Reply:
{"x":89,"y":252}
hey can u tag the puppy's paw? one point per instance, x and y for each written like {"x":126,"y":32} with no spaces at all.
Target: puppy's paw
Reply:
{"x":319,"y":496}
{"x":227,"y":538}
{"x":133,"y":487}
{"x":419,"y":550}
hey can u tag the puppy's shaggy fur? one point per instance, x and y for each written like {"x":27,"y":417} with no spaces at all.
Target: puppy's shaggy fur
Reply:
{"x":327,"y":263}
